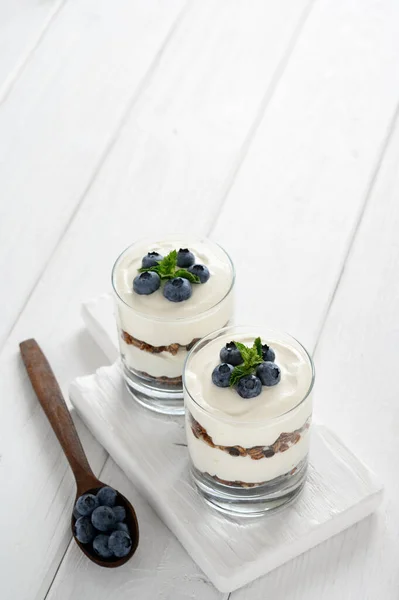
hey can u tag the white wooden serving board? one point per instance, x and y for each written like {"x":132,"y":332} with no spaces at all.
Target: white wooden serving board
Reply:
{"x":151,"y":450}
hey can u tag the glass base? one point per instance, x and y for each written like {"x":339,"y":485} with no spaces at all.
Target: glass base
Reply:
{"x":254,"y":501}
{"x":155,"y":396}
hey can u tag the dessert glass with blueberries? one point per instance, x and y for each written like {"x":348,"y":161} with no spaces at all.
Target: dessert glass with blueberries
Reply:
{"x":100,"y":525}
{"x":248,"y":400}
{"x":169,"y":294}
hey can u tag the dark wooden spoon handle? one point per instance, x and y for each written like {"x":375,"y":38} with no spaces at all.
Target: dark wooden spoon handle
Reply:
{"x":50,"y":397}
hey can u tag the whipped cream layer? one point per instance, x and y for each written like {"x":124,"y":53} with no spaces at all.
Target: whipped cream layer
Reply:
{"x":157,"y":321}
{"x":243,"y":468}
{"x":234,"y":421}
{"x":163,"y":364}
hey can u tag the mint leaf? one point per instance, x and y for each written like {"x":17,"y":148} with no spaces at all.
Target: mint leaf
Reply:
{"x":166,"y":267}
{"x":252,"y":357}
{"x":238,"y":372}
{"x":258,"y":346}
{"x":244,"y":351}
{"x":154,"y":268}
{"x":187,"y":275}
{"x":168,"y":264}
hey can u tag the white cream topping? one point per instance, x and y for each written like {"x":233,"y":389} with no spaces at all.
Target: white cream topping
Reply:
{"x":204,"y":295}
{"x":157,"y":321}
{"x":296,"y":376}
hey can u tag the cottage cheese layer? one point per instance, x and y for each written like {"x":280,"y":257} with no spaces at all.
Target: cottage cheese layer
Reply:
{"x":156,"y":321}
{"x":271,"y":431}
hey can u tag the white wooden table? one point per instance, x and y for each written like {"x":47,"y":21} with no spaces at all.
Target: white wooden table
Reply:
{"x":271,"y":126}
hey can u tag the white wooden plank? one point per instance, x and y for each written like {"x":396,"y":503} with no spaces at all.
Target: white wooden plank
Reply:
{"x":290,"y":214}
{"x":356,"y":394}
{"x":59,"y":121}
{"x":160,"y":159}
{"x":160,"y":570}
{"x":22,"y":26}
{"x":357,"y":370}
{"x":368,"y":87}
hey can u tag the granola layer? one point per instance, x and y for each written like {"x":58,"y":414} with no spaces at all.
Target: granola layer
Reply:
{"x":243,"y":484}
{"x":171,"y":381}
{"x":172,"y":348}
{"x":282,"y":443}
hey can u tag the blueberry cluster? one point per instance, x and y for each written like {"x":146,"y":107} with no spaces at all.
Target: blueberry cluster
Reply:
{"x":100,"y":522}
{"x":178,"y":268}
{"x":246,"y":373}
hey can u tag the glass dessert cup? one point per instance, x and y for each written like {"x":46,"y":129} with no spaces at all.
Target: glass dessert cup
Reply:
{"x":248,"y":455}
{"x":155,"y":334}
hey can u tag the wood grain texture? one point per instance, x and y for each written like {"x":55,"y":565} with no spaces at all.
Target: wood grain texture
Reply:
{"x":363,"y":403}
{"x":317,"y":148}
{"x":297,"y":198}
{"x":60,"y":120}
{"x":151,"y":451}
{"x":175,"y":576}
{"x":356,"y":387}
{"x":22,"y":26}
{"x":49,"y":395}
{"x":139,"y":174}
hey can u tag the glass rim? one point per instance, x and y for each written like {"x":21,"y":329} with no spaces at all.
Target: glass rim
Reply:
{"x":169,"y":319}
{"x":219,"y":333}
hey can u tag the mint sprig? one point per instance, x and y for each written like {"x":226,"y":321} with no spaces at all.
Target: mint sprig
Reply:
{"x":187,"y":275}
{"x":252,"y":357}
{"x":167,"y":269}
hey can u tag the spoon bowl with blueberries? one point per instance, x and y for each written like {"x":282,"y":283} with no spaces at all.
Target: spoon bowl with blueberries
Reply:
{"x":103,"y":522}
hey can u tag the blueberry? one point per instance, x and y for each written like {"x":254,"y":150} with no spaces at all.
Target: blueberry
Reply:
{"x":185,"y":258}
{"x":122,"y":527}
{"x":120,"y":513}
{"x":201,"y":271}
{"x":103,"y":518}
{"x":120,"y":543}
{"x":268,"y":353}
{"x":76,"y":513}
{"x":269,"y":373}
{"x":221,"y":375}
{"x":100,"y":546}
{"x":231,"y":354}
{"x":151,"y":260}
{"x":146,"y":283}
{"x":249,"y":386}
{"x":177,"y":289}
{"x":107,"y":496}
{"x":86,"y":504}
{"x":84,"y":530}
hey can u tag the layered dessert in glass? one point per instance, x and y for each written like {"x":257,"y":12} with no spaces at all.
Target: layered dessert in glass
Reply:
{"x":248,"y":414}
{"x":169,"y":294}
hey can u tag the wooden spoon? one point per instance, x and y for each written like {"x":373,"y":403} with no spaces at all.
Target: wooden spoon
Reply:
{"x":50,"y":397}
